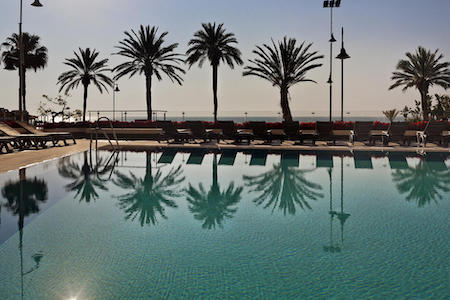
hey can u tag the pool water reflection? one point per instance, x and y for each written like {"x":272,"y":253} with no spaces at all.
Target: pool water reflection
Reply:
{"x":226,"y":225}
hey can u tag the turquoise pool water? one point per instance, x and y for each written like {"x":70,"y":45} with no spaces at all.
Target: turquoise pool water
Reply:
{"x":136,"y":225}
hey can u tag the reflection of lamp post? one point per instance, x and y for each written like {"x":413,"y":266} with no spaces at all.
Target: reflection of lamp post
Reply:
{"x":331,"y":4}
{"x":36,"y":257}
{"x":36,"y":3}
{"x":343,"y":55}
{"x":115,"y":90}
{"x":341,"y":215}
{"x":331,"y":248}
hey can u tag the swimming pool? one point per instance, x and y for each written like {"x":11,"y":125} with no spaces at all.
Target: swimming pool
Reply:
{"x":138,"y":225}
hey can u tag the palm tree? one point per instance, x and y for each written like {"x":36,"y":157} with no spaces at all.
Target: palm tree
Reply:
{"x":85,"y":69}
{"x":212,"y":207}
{"x":422,"y":70}
{"x":216,"y":45}
{"x":422,"y":183}
{"x":147,"y":54}
{"x":283,"y":187}
{"x":283,"y":65}
{"x":147,"y":196}
{"x":35,"y":57}
{"x":391,"y":114}
{"x":86,"y":179}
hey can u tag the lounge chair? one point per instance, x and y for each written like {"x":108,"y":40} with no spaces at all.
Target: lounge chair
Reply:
{"x":172,"y":133}
{"x":259,"y":131}
{"x":199,"y":131}
{"x":363,"y":132}
{"x":292,"y":131}
{"x":7,"y":143}
{"x":230,"y":132}
{"x":396,"y":133}
{"x":362,"y":160}
{"x":434,"y":131}
{"x":309,"y":134}
{"x":55,"y":136}
{"x":227,"y":158}
{"x":324,"y":131}
{"x":25,"y":141}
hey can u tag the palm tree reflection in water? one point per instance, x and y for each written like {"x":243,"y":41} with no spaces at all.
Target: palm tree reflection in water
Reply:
{"x":86,"y":179}
{"x":284,"y":187}
{"x":148,"y":196}
{"x":23,"y":199}
{"x":423,"y":183}
{"x":212,"y":207}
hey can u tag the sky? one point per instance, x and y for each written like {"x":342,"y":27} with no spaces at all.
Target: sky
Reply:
{"x":377,"y":34}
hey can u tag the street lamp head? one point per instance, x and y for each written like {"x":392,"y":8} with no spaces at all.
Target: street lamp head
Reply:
{"x":36,"y":3}
{"x":332,"y":39}
{"x":116,"y":89}
{"x":343,"y":55}
{"x":37,"y":258}
{"x":331,"y":3}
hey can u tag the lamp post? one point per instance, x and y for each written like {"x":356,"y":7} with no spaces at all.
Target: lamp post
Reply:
{"x":36,"y":3}
{"x":115,"y":90}
{"x":342,"y":55}
{"x":331,"y":4}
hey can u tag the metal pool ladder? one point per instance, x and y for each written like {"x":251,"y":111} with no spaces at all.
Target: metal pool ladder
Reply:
{"x":99,"y":129}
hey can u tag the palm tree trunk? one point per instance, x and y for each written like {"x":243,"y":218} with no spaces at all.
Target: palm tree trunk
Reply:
{"x":287,"y":117}
{"x":24,"y":90}
{"x":20,"y":92}
{"x":85,"y":101}
{"x":424,"y":102}
{"x":215,"y":179}
{"x":148,"y":85}
{"x":215,"y":67}
{"x":148,"y":168}
{"x":22,"y":177}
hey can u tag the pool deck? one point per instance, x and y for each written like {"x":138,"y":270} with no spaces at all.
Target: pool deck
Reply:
{"x":16,"y":160}
{"x":320,"y":146}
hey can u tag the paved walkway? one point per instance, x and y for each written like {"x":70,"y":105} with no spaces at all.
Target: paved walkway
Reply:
{"x":16,"y":160}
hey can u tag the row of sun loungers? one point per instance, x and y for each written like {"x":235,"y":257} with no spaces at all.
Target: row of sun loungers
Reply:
{"x":324,"y":159}
{"x":23,"y":136}
{"x":362,"y":132}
